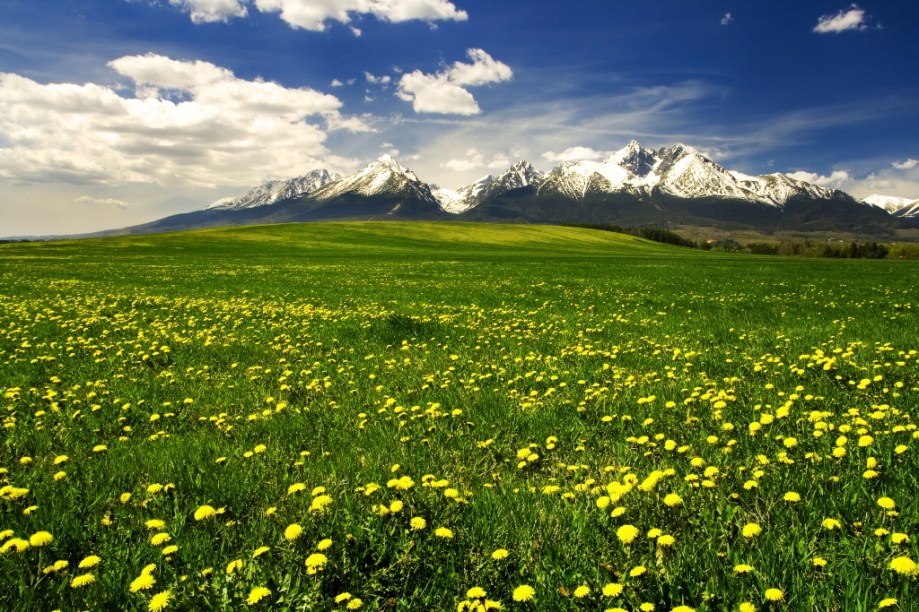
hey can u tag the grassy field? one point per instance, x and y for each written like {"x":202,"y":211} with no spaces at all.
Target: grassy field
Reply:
{"x":447,"y":416}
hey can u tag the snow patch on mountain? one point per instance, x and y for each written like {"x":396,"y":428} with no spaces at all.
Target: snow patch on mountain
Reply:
{"x":275,"y":191}
{"x":521,"y":174}
{"x":383,"y":177}
{"x":891,"y":204}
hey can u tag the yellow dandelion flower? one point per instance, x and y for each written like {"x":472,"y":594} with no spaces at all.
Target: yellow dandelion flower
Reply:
{"x":830,"y":524}
{"x":818,"y":562}
{"x":792,"y":497}
{"x":82,"y":580}
{"x":899,"y":538}
{"x":613,"y":589}
{"x":396,"y":506}
{"x":324,"y":544}
{"x":666,"y":540}
{"x":342,"y":597}
{"x":257,"y":594}
{"x":205,"y":512}
{"x":743,"y":568}
{"x":443,"y":532}
{"x":646,"y":607}
{"x":751,"y":530}
{"x":320,"y":503}
{"x":40,"y":538}
{"x":124,"y":498}
{"x":160,"y":538}
{"x":296,"y":488}
{"x":90,"y":561}
{"x":672,"y":500}
{"x":889,"y":602}
{"x":170,"y":550}
{"x":261,"y":550}
{"x":627,"y":533}
{"x":476,"y":593}
{"x":654,"y":533}
{"x":316,"y":561}
{"x":499,"y":554}
{"x":142,"y":582}
{"x":234,"y":565}
{"x":682,"y":609}
{"x":523,"y":593}
{"x":156,"y":524}
{"x":292,"y":532}
{"x":904,"y":565}
{"x":746,"y":607}
{"x":886,"y":503}
{"x":638,"y":570}
{"x":160,"y":601}
{"x":417,"y":523}
{"x":355,"y":604}
{"x":774,"y":594}
{"x":582,"y":591}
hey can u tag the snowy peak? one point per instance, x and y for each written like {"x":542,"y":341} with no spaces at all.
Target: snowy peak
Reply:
{"x":275,"y":191}
{"x":900,"y":207}
{"x":521,"y":174}
{"x":383,"y":177}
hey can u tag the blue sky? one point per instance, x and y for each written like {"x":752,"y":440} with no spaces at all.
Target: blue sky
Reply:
{"x":115,"y":112}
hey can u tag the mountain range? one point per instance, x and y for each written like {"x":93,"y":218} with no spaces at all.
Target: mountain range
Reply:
{"x":668,"y":187}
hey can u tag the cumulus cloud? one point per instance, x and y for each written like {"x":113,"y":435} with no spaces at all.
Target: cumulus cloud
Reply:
{"x":314,"y":14}
{"x":909,"y":164}
{"x":728,"y":19}
{"x":445,"y":92}
{"x":836,"y":179}
{"x":574,"y":154}
{"x":472,"y":161}
{"x":208,"y":11}
{"x":378,"y":80}
{"x":852,"y":19}
{"x":177,"y":122}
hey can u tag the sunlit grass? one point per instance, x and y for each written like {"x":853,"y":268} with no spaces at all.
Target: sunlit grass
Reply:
{"x":432,"y":416}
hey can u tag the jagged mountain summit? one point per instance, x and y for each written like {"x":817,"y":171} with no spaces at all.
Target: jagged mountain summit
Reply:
{"x":679,"y":171}
{"x":383,"y":177}
{"x":899,"y":207}
{"x":520,"y":175}
{"x":276,"y":191}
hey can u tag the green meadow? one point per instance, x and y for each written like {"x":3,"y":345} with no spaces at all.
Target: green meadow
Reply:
{"x":412,"y":416}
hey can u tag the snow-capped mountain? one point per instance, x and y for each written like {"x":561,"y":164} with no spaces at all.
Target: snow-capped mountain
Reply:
{"x":383,"y":177}
{"x":276,"y":191}
{"x":900,"y":207}
{"x":522,"y":174}
{"x":679,"y":171}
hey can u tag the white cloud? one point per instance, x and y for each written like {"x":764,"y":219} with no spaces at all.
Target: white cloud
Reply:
{"x":314,"y":14}
{"x":574,"y":154}
{"x":837,"y":179}
{"x":378,"y":80}
{"x":445,"y":92}
{"x":91,"y":201}
{"x":728,"y":19}
{"x":207,"y":11}
{"x":473,"y":161}
{"x":336,"y":83}
{"x":185,"y":123}
{"x":852,"y":19}
{"x":909,"y":164}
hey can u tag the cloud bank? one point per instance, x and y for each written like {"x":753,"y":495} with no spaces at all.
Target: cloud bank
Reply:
{"x":315,"y":14}
{"x":176,"y":122}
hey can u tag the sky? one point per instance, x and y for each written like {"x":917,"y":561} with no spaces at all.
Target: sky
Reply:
{"x":118,"y":112}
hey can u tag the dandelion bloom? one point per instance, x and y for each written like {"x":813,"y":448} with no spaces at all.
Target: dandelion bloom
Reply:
{"x":523,"y":593}
{"x":476,"y":593}
{"x":295,"y":488}
{"x":818,"y":562}
{"x":257,"y":594}
{"x":159,"y":601}
{"x":90,"y":561}
{"x":904,"y":565}
{"x":743,"y":568}
{"x":292,"y":532}
{"x":170,"y":550}
{"x":627,"y":533}
{"x":355,"y":603}
{"x":751,"y":530}
{"x":899,"y":538}
{"x":443,"y":532}
{"x":886,"y":503}
{"x":160,"y":538}
{"x":499,"y":554}
{"x":637,"y":571}
{"x":613,"y":589}
{"x":672,"y":500}
{"x":418,"y":523}
{"x":792,"y":496}
{"x":205,"y":512}
{"x":142,"y":582}
{"x":320,"y":502}
{"x":261,"y":550}
{"x":82,"y":580}
{"x":666,"y":540}
{"x":746,"y":607}
{"x":683,"y":609}
{"x":830,"y":524}
{"x":156,"y":524}
{"x":40,"y":538}
{"x":582,"y":591}
{"x":342,"y":597}
{"x":235,"y":564}
{"x":316,"y":561}
{"x":887,"y":603}
{"x":774,"y":594}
